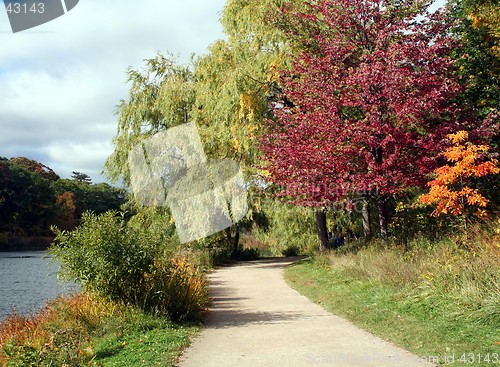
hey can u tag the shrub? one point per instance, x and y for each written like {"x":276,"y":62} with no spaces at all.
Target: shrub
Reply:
{"x":175,"y":287}
{"x":247,"y":254}
{"x":250,"y":241}
{"x":290,"y":251}
{"x":129,"y":263}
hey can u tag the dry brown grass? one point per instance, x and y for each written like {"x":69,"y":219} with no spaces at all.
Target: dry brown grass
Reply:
{"x":25,"y":330}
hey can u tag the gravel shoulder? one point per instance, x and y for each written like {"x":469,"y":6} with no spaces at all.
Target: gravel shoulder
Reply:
{"x":256,"y":319}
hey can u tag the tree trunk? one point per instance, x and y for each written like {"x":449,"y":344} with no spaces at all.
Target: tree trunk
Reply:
{"x":365,"y":213}
{"x":236,"y":243}
{"x":322,"y":230}
{"x":229,"y":235}
{"x":233,"y":242}
{"x":382,"y":216}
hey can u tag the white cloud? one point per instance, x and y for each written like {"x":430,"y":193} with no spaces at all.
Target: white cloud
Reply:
{"x":60,"y":82}
{"x":84,"y":157}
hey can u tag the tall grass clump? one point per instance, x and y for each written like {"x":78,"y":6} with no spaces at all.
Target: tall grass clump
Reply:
{"x":130,"y":264}
{"x":175,"y":287}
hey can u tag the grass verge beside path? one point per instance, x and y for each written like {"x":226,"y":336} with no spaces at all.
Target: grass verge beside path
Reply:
{"x":431,"y":325}
{"x":159,"y":346}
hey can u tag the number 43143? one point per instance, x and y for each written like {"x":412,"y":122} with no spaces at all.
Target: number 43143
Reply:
{"x":24,"y":8}
{"x":470,"y":358}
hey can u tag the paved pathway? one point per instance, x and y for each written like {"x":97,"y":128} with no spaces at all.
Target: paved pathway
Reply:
{"x":256,"y":320}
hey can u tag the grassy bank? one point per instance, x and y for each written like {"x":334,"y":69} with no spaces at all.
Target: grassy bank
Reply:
{"x":84,"y":330}
{"x":437,"y":301}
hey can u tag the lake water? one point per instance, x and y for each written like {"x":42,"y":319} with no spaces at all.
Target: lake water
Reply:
{"x":27,"y":281}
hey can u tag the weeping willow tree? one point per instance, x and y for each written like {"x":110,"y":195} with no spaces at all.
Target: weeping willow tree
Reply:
{"x":225,"y":92}
{"x":161,"y":96}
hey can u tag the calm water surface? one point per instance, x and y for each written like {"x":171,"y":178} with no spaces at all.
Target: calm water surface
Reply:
{"x":27,"y":281}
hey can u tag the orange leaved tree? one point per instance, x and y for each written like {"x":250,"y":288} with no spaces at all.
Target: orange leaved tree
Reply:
{"x":449,"y":191}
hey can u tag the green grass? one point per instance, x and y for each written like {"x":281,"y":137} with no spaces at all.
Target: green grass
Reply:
{"x":428,"y":324}
{"x":159,"y":346}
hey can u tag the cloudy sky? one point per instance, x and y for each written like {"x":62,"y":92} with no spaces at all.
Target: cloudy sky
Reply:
{"x":60,"y":82}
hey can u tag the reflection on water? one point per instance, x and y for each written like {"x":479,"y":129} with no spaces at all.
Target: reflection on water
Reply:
{"x":27,"y":280}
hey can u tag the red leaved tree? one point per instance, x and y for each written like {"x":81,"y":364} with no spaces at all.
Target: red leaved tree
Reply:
{"x":367,"y":104}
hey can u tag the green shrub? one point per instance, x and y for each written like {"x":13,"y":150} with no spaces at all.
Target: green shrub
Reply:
{"x":130,"y":264}
{"x":105,"y":255}
{"x":290,"y":251}
{"x":247,"y":254}
{"x":225,"y":247}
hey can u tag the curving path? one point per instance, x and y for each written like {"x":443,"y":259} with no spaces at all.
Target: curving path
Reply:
{"x":256,"y":320}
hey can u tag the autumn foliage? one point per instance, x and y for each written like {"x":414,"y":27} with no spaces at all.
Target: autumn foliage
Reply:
{"x":366,"y":105}
{"x":449,"y":190}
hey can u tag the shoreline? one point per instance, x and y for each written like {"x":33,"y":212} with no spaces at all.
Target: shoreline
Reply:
{"x":24,"y":243}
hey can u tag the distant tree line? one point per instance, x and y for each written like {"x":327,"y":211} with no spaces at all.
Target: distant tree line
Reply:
{"x":33,"y":198}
